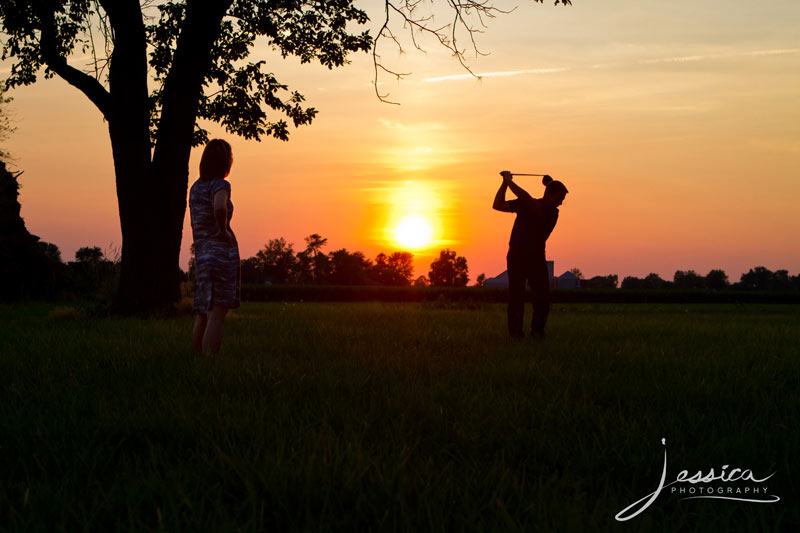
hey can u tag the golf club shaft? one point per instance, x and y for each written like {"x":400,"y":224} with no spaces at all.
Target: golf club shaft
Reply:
{"x":518,"y":174}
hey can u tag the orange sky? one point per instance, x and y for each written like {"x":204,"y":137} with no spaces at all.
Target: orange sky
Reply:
{"x":675,"y":126}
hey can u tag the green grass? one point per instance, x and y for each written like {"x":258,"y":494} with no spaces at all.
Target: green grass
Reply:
{"x":349,"y":417}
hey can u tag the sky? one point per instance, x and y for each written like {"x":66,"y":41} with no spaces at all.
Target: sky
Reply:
{"x":675,"y":125}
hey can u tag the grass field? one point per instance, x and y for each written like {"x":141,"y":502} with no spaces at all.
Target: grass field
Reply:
{"x":410,"y":417}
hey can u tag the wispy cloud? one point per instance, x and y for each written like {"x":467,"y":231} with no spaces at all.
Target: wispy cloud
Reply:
{"x":722,"y":55}
{"x":392,"y":125}
{"x":497,"y":74}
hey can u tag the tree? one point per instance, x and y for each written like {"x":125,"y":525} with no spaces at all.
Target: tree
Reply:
{"x":89,"y":254}
{"x":394,"y":269}
{"x":480,"y":281}
{"x":758,"y":278}
{"x":194,"y":53}
{"x":602,"y":282}
{"x":688,"y":280}
{"x":348,"y":268}
{"x":252,"y":271}
{"x":717,"y":280}
{"x":319,"y":267}
{"x":652,"y":282}
{"x":50,"y":251}
{"x":577,"y":272}
{"x":28,"y":266}
{"x":449,"y":270}
{"x":277,"y":261}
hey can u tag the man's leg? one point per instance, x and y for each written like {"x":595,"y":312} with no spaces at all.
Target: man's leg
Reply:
{"x":540,"y":283}
{"x":516,"y":295}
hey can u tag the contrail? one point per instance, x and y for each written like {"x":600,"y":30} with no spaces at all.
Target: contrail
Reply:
{"x":497,"y":74}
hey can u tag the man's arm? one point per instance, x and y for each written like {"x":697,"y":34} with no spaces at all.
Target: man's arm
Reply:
{"x":500,"y":203}
{"x":521,"y":193}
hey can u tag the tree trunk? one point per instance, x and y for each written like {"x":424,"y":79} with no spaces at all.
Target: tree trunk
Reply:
{"x":148,"y":280}
{"x":152,"y":193}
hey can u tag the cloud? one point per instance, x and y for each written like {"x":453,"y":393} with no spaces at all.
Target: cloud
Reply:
{"x":497,"y":74}
{"x":392,"y":125}
{"x":703,"y":57}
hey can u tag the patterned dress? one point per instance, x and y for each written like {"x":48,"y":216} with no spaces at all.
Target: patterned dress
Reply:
{"x":217,"y":268}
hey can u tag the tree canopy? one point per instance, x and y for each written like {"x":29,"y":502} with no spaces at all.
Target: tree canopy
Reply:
{"x":236,"y":92}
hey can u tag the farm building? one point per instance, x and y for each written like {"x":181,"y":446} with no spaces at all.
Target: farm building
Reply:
{"x":568,"y":280}
{"x":501,"y":280}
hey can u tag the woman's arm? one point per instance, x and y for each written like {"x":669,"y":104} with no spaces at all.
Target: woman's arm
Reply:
{"x":221,"y":217}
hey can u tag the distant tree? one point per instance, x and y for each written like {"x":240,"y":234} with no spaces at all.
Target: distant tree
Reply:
{"x":315,"y":242}
{"x":421,"y":281}
{"x":89,"y":254}
{"x":781,"y":280}
{"x":759,"y":279}
{"x":348,"y":268}
{"x":688,"y":279}
{"x":717,"y":280}
{"x":277,"y":261}
{"x":480,"y":281}
{"x":576,"y":272}
{"x":318,"y":262}
{"x":50,"y":250}
{"x":654,"y":281}
{"x":602,"y":282}
{"x":252,"y":271}
{"x":28,"y":267}
{"x":449,"y":270}
{"x":301,"y":271}
{"x":395,"y":269}
{"x":651,"y":282}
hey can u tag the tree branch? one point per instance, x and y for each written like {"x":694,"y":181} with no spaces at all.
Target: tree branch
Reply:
{"x":88,"y":85}
{"x":446,"y":36}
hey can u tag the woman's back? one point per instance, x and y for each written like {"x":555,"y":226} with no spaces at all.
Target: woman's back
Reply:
{"x":201,"y":207}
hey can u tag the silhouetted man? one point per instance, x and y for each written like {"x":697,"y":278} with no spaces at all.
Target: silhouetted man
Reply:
{"x":526,"y":261}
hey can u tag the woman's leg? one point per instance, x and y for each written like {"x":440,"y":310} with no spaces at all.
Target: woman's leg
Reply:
{"x":212,"y":339}
{"x":198,"y":332}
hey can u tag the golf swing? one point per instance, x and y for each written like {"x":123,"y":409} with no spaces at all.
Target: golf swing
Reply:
{"x":536,"y":218}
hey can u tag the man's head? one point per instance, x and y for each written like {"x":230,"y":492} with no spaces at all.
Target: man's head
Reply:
{"x":554,"y":191}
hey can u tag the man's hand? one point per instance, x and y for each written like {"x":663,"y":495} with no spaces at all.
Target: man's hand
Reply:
{"x":506,"y":175}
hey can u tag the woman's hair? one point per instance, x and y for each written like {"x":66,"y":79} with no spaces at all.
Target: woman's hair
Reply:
{"x":217,"y":160}
{"x":552,"y":186}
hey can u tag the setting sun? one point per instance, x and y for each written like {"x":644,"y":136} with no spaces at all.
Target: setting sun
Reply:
{"x":413,"y":232}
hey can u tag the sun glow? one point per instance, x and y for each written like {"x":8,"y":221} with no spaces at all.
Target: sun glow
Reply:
{"x":413,"y":232}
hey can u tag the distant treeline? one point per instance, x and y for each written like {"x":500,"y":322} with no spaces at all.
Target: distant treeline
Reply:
{"x":446,"y":296}
{"x":279,"y":263}
{"x":757,"y":279}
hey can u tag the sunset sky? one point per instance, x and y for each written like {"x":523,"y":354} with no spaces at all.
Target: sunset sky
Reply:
{"x":674,"y":124}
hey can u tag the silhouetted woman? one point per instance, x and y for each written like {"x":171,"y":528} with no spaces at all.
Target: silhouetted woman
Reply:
{"x":535,"y":220}
{"x":216,"y":253}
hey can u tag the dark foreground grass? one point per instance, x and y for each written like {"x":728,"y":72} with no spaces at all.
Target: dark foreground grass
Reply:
{"x":350,"y":417}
